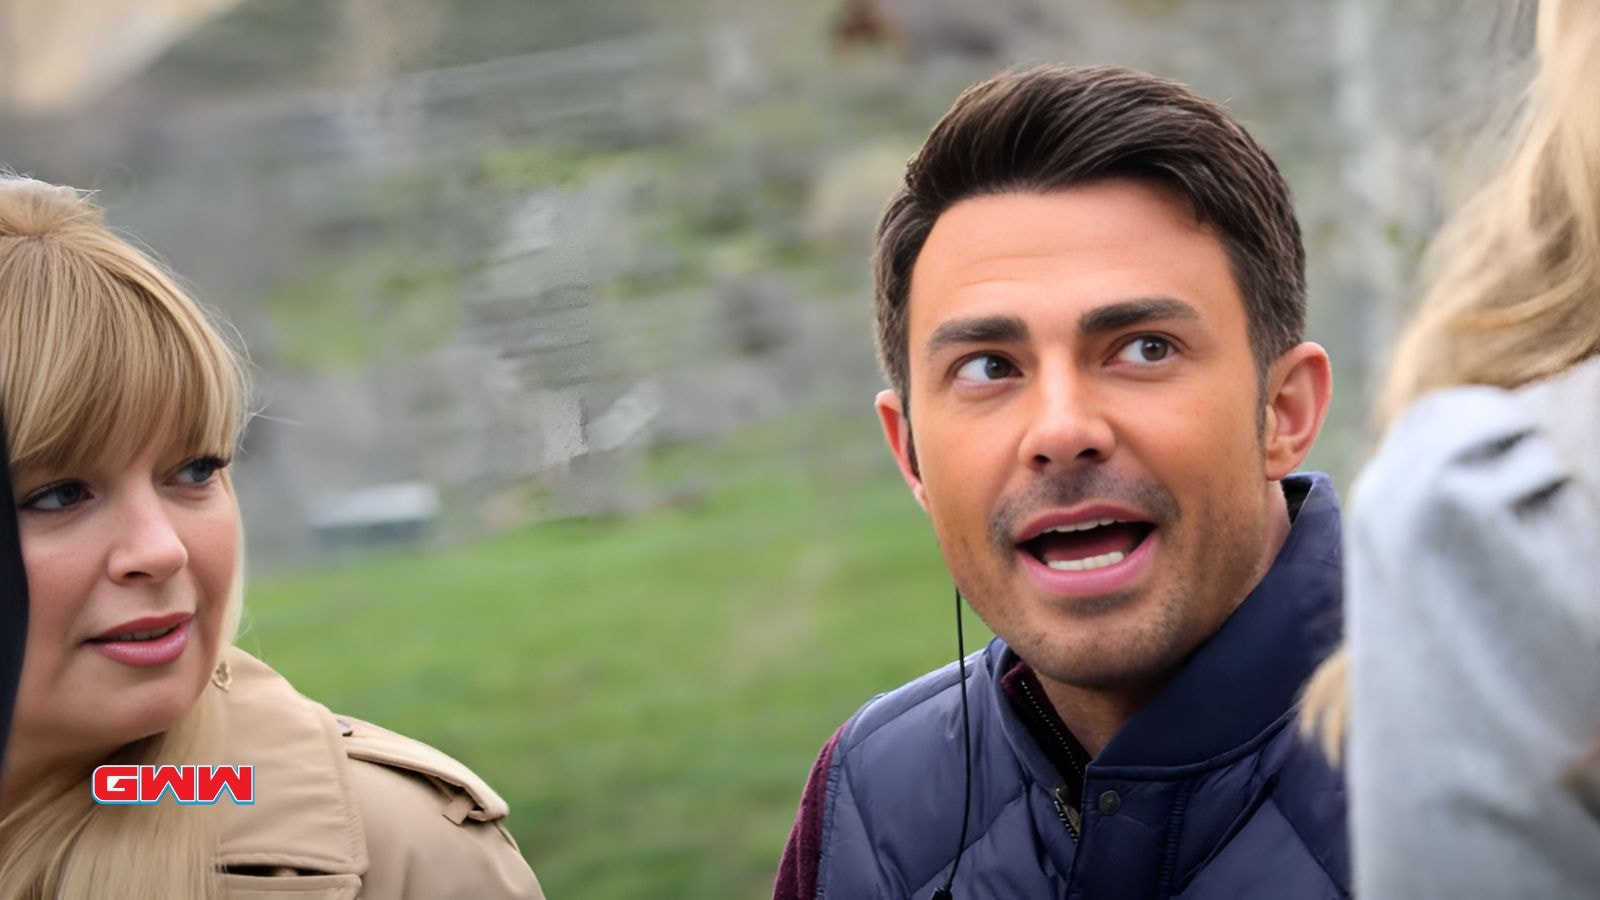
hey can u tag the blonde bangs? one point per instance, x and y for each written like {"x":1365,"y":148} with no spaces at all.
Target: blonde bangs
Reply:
{"x":106,"y":357}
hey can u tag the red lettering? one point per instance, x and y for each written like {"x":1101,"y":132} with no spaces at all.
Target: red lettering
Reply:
{"x":186,"y":784}
{"x":239,"y":780}
{"x":154,"y":780}
{"x":116,"y":784}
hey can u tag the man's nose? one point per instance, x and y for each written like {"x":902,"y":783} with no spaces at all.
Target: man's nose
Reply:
{"x":1067,"y":423}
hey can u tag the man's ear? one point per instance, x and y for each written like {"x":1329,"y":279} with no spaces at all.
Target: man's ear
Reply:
{"x":1299,"y":389}
{"x":897,"y":431}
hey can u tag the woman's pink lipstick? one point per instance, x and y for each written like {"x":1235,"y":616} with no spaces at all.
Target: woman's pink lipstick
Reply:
{"x":156,"y":651}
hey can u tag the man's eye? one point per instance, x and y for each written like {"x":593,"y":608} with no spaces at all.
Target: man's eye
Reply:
{"x":1146,"y":349}
{"x":201,"y":470}
{"x":57,"y":497}
{"x":986,"y":368}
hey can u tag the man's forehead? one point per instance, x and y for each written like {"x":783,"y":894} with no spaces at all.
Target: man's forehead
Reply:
{"x":1104,"y":242}
{"x":1028,"y":223}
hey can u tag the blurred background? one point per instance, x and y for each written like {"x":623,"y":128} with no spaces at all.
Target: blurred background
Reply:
{"x":560,"y":318}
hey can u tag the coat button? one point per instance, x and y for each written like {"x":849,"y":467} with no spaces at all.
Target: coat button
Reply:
{"x":1110,"y":803}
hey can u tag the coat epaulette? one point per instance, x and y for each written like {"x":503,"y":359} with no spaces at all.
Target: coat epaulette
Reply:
{"x":472,"y":798}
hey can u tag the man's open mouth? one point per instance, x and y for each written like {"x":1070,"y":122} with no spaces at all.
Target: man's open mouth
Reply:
{"x":1089,"y":545}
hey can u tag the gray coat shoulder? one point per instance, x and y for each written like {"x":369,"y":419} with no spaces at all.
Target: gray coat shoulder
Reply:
{"x":1474,"y":633}
{"x":1481,"y":451}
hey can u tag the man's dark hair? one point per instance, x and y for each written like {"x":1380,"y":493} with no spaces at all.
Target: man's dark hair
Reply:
{"x":1055,"y":127}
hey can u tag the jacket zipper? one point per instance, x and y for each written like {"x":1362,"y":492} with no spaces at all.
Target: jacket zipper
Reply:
{"x":1070,"y":815}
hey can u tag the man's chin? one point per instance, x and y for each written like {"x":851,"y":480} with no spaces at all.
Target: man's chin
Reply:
{"x":1102,"y":651}
{"x":1104,"y":676}
{"x":1095,"y":607}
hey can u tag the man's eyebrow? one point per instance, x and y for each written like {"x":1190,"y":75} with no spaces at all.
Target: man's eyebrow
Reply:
{"x":1128,"y":313}
{"x":977,"y":330}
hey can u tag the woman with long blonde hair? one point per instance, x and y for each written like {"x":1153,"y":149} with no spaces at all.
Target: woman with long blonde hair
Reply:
{"x":1471,"y":677}
{"x":123,"y":406}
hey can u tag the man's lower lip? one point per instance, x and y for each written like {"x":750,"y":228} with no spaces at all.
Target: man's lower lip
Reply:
{"x":155,"y":652}
{"x":1101,"y":582}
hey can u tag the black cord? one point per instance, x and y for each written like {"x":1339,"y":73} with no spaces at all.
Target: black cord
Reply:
{"x":944,"y":893}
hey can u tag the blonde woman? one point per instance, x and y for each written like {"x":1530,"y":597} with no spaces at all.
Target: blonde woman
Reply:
{"x":1474,"y":585}
{"x":123,"y":407}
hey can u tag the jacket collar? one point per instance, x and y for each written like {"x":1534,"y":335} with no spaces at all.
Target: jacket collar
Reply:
{"x":1244,"y":678}
{"x":305,"y":816}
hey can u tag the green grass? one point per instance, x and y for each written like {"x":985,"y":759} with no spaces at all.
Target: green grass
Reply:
{"x":648,"y":693}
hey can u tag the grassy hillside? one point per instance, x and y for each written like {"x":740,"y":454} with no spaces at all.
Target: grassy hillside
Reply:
{"x":648,"y":693}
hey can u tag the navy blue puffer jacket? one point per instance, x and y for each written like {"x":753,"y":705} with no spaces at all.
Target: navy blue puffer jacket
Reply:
{"x":1206,"y":793}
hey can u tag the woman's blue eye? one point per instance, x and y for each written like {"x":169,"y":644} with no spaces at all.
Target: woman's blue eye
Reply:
{"x":1146,"y":349}
{"x":57,"y":497}
{"x":200,"y":471}
{"x":986,"y":368}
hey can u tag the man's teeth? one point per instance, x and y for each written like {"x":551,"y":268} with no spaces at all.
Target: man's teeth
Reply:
{"x":1093,"y":562}
{"x":1081,"y":526}
{"x":143,"y":635}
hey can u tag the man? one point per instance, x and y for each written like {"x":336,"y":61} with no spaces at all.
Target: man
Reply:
{"x":1090,"y":308}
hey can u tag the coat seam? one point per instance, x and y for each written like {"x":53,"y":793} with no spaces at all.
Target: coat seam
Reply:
{"x":1311,"y":849}
{"x":830,"y":805}
{"x":1175,"y":818}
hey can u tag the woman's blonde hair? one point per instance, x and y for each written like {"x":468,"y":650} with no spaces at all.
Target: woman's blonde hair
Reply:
{"x":1515,"y":289}
{"x":102,"y":352}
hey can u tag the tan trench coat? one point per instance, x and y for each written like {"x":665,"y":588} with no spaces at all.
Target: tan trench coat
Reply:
{"x":345,"y":809}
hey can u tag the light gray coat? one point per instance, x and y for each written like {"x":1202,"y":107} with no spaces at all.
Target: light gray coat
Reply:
{"x":1473,"y":599}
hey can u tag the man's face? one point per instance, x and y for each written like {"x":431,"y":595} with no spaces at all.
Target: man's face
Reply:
{"x":1084,"y":409}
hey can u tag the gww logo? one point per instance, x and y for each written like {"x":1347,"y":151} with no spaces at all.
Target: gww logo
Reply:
{"x":186,"y":784}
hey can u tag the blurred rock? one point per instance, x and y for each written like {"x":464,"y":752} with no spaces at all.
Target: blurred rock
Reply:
{"x":56,"y":55}
{"x":849,"y":194}
{"x":756,"y":316}
{"x":923,"y":30}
